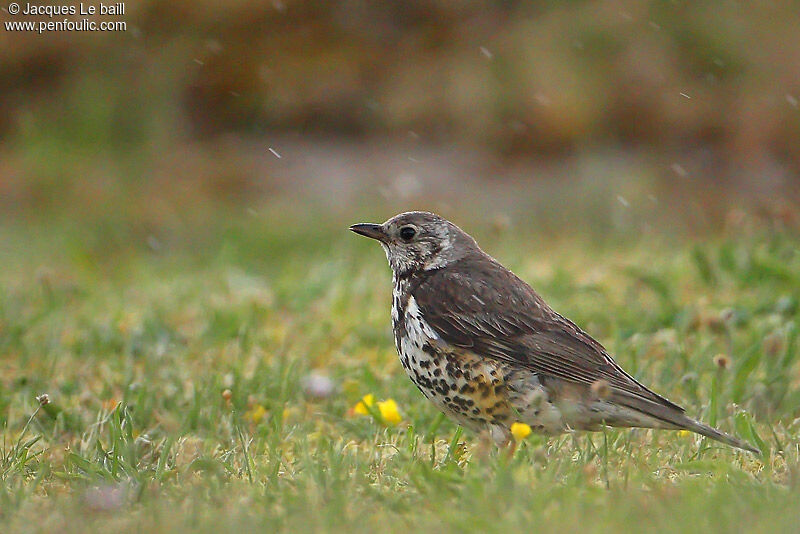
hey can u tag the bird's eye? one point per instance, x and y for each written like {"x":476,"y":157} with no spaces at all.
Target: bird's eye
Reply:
{"x":407,"y":233}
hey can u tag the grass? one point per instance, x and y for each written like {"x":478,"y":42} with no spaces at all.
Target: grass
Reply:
{"x":135,"y":338}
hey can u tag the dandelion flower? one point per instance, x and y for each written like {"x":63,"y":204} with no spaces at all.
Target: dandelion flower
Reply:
{"x":520,"y":431}
{"x":389,"y":412}
{"x":386,"y":411}
{"x":362,"y":407}
{"x":257,"y":413}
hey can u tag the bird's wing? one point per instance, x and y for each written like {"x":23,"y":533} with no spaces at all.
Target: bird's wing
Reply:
{"x":483,"y":307}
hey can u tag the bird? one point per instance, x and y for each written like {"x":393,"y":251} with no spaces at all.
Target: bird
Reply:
{"x":489,"y":352}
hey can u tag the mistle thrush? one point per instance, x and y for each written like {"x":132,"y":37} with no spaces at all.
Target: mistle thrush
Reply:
{"x":487,"y":350}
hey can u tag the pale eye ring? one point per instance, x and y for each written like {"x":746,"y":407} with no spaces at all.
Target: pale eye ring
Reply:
{"x":407,"y":233}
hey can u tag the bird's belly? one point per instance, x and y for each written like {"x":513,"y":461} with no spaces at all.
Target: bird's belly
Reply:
{"x":469,"y":396}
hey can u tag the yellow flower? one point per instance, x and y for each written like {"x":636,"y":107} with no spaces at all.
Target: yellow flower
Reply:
{"x":684,"y":433}
{"x":361,"y":407}
{"x":520,"y":431}
{"x":389,"y":412}
{"x":257,"y":413}
{"x":387,"y":409}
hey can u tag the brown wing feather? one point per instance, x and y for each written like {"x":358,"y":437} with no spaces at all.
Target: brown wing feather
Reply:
{"x":494,"y":313}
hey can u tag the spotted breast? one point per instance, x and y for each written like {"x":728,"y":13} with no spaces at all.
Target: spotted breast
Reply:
{"x":479,"y":393}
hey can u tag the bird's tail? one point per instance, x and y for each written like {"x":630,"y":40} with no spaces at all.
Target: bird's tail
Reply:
{"x":671,"y":416}
{"x":713,"y":433}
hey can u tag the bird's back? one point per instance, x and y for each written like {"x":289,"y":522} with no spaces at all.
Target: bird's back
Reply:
{"x":478,"y":305}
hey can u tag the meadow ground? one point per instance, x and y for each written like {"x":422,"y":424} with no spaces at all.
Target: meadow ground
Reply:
{"x":180,"y":374}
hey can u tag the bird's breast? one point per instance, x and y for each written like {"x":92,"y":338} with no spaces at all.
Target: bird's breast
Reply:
{"x":473,"y":389}
{"x":461,"y":384}
{"x":412,"y":334}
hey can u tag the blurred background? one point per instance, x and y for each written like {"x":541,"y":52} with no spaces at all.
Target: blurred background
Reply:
{"x":569,"y":116}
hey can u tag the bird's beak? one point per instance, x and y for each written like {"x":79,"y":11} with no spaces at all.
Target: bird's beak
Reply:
{"x":375,"y":231}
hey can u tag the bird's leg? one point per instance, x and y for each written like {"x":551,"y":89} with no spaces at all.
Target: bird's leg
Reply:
{"x":485,"y":444}
{"x":511,"y":448}
{"x":504,"y":440}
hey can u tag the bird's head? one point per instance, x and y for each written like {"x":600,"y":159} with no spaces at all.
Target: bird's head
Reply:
{"x":418,"y":241}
